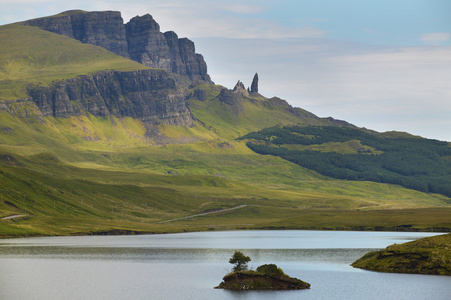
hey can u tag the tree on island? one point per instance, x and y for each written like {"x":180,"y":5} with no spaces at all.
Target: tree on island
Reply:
{"x":267,"y":277}
{"x":240,"y":261}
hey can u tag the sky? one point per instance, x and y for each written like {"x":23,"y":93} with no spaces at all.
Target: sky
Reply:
{"x":383,"y":65}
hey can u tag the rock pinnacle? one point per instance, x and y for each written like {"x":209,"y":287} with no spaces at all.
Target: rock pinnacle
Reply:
{"x":254,"y":85}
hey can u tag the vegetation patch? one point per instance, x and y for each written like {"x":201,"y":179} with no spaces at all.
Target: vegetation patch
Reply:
{"x":418,"y":164}
{"x":266,"y":277}
{"x":430,"y":255}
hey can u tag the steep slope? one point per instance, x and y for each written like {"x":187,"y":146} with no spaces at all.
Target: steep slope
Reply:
{"x":75,"y":79}
{"x":232,"y":113}
{"x":140,"y":40}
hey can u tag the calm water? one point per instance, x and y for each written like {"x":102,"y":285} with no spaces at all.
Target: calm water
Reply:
{"x":189,"y":265}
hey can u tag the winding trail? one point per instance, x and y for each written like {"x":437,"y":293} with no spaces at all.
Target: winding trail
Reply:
{"x":203,"y":214}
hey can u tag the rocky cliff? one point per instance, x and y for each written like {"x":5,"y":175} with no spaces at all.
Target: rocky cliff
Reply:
{"x":149,"y":46}
{"x":140,"y":39}
{"x":151,"y":96}
{"x":105,"y":29}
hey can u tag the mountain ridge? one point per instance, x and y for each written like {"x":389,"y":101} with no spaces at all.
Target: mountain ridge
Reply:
{"x":92,"y":142}
{"x":140,"y":40}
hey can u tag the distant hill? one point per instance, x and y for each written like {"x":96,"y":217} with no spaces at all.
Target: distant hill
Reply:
{"x":108,"y":127}
{"x":354,"y":154}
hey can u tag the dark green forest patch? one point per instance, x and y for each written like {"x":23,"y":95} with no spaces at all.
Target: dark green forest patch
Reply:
{"x":415,"y":163}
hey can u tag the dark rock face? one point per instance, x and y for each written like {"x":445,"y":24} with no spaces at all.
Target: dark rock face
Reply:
{"x":149,"y":46}
{"x":104,"y":29}
{"x":139,"y":40}
{"x":200,"y":94}
{"x":254,"y":85}
{"x":229,"y":97}
{"x":151,"y":96}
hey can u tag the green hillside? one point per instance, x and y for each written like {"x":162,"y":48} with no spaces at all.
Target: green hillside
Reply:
{"x":353,"y":154}
{"x":96,"y":174}
{"x":38,"y":57}
{"x":430,"y":255}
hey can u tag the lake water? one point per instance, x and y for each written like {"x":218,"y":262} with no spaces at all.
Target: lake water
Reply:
{"x":189,"y":265}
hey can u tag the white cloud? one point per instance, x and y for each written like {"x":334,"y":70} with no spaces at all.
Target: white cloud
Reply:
{"x":240,"y":8}
{"x":404,"y":89}
{"x":435,"y":38}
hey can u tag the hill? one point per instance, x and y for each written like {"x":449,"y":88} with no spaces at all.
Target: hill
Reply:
{"x":92,"y":141}
{"x":424,"y":256}
{"x":353,"y":154}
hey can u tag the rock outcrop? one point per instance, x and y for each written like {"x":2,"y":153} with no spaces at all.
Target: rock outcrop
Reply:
{"x":240,"y":89}
{"x":262,"y":279}
{"x":105,"y":29}
{"x":151,"y":96}
{"x":139,"y":40}
{"x":149,"y":46}
{"x":254,"y":85}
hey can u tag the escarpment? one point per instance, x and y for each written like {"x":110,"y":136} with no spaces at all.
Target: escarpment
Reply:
{"x":149,"y":46}
{"x":151,"y":96}
{"x":140,"y":40}
{"x":104,"y":29}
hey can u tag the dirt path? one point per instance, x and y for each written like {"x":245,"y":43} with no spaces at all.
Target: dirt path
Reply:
{"x":203,"y":214}
{"x":13,"y":217}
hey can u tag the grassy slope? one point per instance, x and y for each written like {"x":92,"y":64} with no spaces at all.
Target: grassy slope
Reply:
{"x":29,"y":55}
{"x":90,"y":186}
{"x":424,"y":256}
{"x":89,"y":174}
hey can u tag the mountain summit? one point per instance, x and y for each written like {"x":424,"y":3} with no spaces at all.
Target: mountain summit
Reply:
{"x":140,"y":40}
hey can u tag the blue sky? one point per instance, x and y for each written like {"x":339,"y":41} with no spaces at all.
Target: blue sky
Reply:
{"x":383,"y":65}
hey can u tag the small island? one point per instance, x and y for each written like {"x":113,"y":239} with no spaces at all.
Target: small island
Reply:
{"x":430,"y":256}
{"x":265,"y":277}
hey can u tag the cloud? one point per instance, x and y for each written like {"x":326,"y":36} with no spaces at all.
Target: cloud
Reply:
{"x":208,"y":19}
{"x":435,"y":38}
{"x":240,"y":8}
{"x":382,"y":88}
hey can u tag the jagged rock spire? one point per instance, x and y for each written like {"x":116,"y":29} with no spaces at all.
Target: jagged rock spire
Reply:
{"x":254,"y":85}
{"x":239,"y":88}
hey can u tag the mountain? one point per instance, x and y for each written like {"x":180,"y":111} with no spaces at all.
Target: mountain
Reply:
{"x":140,"y":40}
{"x":353,"y":154}
{"x":108,"y":127}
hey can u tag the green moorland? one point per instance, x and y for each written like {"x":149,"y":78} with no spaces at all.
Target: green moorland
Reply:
{"x":353,"y":154}
{"x":68,"y":185}
{"x":430,"y":255}
{"x":87,"y":174}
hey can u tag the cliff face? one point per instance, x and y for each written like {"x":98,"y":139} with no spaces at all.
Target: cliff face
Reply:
{"x":140,"y":40}
{"x":151,"y":96}
{"x":104,"y":29}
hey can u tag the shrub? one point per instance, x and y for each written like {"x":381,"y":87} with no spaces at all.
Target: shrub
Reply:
{"x":270,"y":269}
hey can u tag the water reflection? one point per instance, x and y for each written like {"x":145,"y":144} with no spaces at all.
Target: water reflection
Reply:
{"x":181,"y":255}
